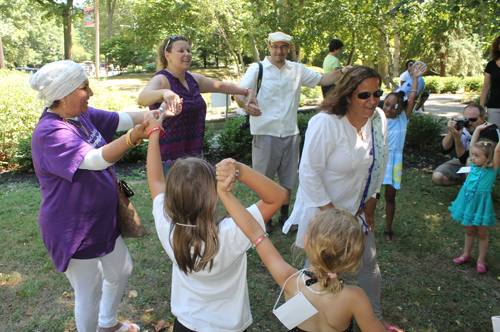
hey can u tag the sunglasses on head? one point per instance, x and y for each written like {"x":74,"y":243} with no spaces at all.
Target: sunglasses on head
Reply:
{"x":366,"y":94}
{"x":172,"y":38}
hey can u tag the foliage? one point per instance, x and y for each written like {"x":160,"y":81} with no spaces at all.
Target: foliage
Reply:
{"x":309,"y":95}
{"x":474,"y":84}
{"x":125,"y":51}
{"x":209,"y":140}
{"x":434,"y":84}
{"x":235,"y":142}
{"x":452,"y":84}
{"x":424,"y":131}
{"x":302,"y":123}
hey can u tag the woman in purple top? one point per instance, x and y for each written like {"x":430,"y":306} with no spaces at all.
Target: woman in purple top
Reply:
{"x":174,"y":89}
{"x":73,"y":149}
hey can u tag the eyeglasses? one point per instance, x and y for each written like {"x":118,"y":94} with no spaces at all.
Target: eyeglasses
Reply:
{"x":366,"y":94}
{"x":174,"y":38}
{"x":283,"y":48}
{"x":473,"y":119}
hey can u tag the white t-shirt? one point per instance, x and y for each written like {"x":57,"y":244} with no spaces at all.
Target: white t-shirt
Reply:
{"x":279,"y":96}
{"x":404,"y":77}
{"x":216,"y":300}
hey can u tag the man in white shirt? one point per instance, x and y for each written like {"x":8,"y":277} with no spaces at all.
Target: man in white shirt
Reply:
{"x":273,"y":122}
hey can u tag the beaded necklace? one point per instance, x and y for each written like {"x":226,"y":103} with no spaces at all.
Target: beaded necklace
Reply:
{"x":468,"y":197}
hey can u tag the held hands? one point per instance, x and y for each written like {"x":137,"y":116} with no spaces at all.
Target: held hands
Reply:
{"x":225,"y":170}
{"x":369,"y":212}
{"x":155,"y":119}
{"x":252,"y":104}
{"x":172,"y":104}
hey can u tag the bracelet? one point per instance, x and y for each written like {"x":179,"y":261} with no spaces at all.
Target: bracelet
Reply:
{"x":237,"y":173}
{"x":129,"y":142}
{"x":246,"y":92}
{"x":154,"y":129}
{"x":413,"y":91}
{"x":259,"y":240}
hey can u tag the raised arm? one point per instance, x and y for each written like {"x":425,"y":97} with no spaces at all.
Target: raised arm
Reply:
{"x":209,"y":85}
{"x":333,"y":76}
{"x":272,"y":197}
{"x":390,"y":80}
{"x":418,"y":71}
{"x":158,"y":90}
{"x":156,"y":180}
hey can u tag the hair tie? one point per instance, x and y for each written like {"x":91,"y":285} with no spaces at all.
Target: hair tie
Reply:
{"x":332,"y":275}
{"x":396,"y":106}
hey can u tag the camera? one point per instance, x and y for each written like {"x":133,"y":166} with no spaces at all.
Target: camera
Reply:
{"x":461,"y":122}
{"x":245,"y":124}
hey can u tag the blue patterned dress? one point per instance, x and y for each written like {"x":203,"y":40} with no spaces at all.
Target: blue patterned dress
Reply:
{"x":184,"y":133}
{"x":396,"y":136}
{"x":473,"y":205}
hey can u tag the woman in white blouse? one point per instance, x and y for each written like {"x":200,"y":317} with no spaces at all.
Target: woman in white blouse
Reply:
{"x":343,"y":165}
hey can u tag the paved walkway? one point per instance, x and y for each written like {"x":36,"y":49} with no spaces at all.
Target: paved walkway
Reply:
{"x":445,"y":105}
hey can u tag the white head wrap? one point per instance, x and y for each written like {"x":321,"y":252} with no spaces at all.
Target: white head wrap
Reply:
{"x":56,"y":80}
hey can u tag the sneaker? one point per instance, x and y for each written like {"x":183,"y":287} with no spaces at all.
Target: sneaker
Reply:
{"x":419,"y":111}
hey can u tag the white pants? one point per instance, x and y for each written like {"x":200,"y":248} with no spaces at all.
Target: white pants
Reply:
{"x":99,"y":284}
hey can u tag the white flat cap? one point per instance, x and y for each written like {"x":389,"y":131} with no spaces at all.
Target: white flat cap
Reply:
{"x":279,"y":37}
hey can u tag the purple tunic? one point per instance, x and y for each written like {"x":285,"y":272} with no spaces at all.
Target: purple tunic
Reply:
{"x":79,"y":207}
{"x":184,"y":133}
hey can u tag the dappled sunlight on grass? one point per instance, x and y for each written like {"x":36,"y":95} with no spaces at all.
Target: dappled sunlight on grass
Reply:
{"x":11,"y":280}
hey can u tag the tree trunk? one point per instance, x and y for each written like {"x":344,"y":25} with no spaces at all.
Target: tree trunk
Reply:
{"x":442,"y":63}
{"x":383,"y":67}
{"x":295,"y":53}
{"x":256,"y":57}
{"x":351,"y":56}
{"x":385,"y":42}
{"x":2,"y":61}
{"x":395,"y":68}
{"x":111,"y":11}
{"x":67,"y":16}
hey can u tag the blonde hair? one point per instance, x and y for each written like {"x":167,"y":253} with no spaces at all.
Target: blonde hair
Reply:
{"x":488,"y":147}
{"x":162,"y":62}
{"x":191,"y":199}
{"x":335,"y":244}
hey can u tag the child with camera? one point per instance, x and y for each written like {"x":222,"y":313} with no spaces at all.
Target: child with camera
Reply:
{"x":460,"y":131}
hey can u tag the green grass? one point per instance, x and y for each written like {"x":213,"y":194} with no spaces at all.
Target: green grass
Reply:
{"x":422,"y":290}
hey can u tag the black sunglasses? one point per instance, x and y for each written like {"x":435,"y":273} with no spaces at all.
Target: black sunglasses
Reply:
{"x":174,"y":38}
{"x":473,"y":119}
{"x":366,"y":95}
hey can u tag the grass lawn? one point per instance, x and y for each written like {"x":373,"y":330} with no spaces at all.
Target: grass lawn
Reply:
{"x":422,"y":289}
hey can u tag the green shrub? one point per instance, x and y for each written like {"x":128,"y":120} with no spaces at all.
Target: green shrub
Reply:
{"x":433,"y":84}
{"x":452,"y":84}
{"x":208,"y":140}
{"x":424,"y":131}
{"x":233,"y":141}
{"x":473,"y":84}
{"x":308,"y":95}
{"x":302,"y":123}
{"x":151,"y":68}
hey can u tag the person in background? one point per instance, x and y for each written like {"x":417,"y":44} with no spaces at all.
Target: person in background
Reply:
{"x":331,"y":62}
{"x":174,"y":89}
{"x":491,"y":85}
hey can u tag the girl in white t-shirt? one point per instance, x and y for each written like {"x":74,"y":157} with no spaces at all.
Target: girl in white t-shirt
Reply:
{"x":334,"y":244}
{"x":209,"y":285}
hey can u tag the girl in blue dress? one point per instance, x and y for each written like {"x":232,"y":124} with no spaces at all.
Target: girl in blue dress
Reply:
{"x":474,"y":206}
{"x":397,"y":108}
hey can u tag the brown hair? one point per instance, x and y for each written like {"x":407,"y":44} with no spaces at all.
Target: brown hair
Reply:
{"x":495,"y":52}
{"x":191,"y":199}
{"x":336,"y":101}
{"x":488,"y":146}
{"x":162,"y":62}
{"x":335,"y":244}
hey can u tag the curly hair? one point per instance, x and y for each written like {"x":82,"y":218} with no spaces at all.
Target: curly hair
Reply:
{"x":335,"y":244}
{"x":336,"y":101}
{"x":162,"y":62}
{"x":191,"y":199}
{"x":495,"y":51}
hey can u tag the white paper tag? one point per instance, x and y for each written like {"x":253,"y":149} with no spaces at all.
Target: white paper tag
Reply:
{"x":295,"y":311}
{"x":464,"y":170}
{"x":496,"y":323}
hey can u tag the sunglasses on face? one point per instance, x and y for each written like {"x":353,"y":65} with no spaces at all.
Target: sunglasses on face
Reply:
{"x":366,"y":94}
{"x":173,"y":38}
{"x":473,"y":119}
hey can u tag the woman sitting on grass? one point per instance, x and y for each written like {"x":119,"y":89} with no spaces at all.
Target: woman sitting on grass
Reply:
{"x":334,"y":244}
{"x":209,"y":284}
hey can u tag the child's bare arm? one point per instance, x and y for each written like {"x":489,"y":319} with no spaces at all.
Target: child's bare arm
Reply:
{"x":363,"y":311}
{"x":418,"y":71}
{"x":156,"y":180}
{"x":496,"y":157}
{"x":477,"y":132}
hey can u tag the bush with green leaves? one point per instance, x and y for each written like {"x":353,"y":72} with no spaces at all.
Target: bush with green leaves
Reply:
{"x":473,"y":84}
{"x":233,"y":141}
{"x":309,"y":95}
{"x":302,"y":123}
{"x":451,"y":84}
{"x":433,"y":84}
{"x":424,"y":131}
